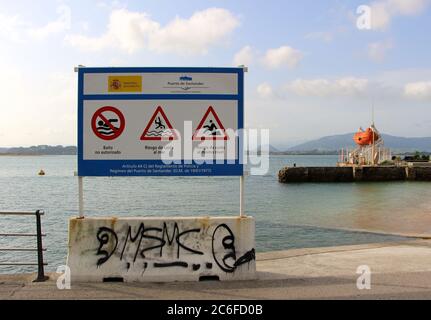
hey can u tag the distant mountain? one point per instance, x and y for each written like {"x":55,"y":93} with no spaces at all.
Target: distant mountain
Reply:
{"x":40,"y":150}
{"x":272,"y":149}
{"x":336,"y":142}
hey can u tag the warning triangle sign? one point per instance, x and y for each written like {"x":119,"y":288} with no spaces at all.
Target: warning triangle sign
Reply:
{"x":210,"y":127}
{"x":159,"y":127}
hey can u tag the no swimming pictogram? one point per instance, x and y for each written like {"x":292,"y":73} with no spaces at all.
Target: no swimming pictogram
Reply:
{"x":159,"y":127}
{"x":108,"y":123}
{"x":210,"y":127}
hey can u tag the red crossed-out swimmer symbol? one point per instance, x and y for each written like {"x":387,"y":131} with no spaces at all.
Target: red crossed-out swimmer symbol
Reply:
{"x":104,"y":128}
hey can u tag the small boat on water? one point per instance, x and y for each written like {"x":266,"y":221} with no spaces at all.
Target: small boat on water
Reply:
{"x":366,"y":137}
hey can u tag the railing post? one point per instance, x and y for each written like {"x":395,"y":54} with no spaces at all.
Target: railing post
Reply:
{"x":40,"y":269}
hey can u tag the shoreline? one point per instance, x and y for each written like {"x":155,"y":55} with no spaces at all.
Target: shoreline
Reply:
{"x":424,"y":236}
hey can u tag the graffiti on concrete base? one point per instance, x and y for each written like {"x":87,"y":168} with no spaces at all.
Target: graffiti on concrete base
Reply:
{"x":227,"y":260}
{"x":165,"y":246}
{"x":105,"y":236}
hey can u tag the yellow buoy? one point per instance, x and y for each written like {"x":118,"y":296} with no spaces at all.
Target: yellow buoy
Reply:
{"x":41,"y":172}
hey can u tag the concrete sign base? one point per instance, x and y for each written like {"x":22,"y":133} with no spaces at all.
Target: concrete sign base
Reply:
{"x":161,"y":249}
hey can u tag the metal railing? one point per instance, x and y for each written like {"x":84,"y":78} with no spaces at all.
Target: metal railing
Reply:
{"x":40,"y":264}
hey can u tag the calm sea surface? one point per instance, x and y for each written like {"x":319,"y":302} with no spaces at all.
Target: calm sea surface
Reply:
{"x":287,"y":215}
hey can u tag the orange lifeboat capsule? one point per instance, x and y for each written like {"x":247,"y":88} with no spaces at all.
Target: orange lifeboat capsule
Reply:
{"x":364,"y":138}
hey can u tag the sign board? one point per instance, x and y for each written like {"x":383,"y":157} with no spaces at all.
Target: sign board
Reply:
{"x":160,"y":121}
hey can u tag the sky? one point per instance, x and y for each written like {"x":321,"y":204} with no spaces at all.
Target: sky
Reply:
{"x":315,"y":68}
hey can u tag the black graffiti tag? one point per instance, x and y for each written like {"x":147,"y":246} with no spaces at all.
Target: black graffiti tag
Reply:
{"x":223,"y":245}
{"x":226,"y":259}
{"x":103,"y":235}
{"x":162,"y":236}
{"x":140,"y":234}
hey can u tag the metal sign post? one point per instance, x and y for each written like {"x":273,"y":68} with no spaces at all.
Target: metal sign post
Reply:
{"x":241,"y":178}
{"x":81,"y":197}
{"x":241,"y":196}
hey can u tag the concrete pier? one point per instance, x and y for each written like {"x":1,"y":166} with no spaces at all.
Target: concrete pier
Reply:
{"x":353,"y":174}
{"x":398,"y":271}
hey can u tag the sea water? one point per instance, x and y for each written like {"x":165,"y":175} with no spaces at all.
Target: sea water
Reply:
{"x":287,"y":215}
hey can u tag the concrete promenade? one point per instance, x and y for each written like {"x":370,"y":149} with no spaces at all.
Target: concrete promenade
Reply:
{"x":399,"y":271}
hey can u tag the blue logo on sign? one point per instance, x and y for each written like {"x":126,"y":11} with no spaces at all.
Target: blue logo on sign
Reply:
{"x":186,"y":78}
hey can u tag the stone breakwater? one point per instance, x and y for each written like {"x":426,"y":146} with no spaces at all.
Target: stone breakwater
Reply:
{"x":353,"y":174}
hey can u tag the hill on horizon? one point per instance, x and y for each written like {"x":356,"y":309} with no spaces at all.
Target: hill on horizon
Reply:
{"x":336,"y":142}
{"x":322,"y":145}
{"x":40,"y":150}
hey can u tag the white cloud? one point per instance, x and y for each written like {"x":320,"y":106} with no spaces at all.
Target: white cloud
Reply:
{"x":11,"y":27}
{"x":245,"y":56}
{"x":264,"y":90}
{"x":418,"y":90}
{"x":283,"y":56}
{"x":62,"y":23}
{"x":377,"y":50}
{"x":408,"y":7}
{"x":196,"y":34}
{"x":16,"y":28}
{"x":347,"y":86}
{"x":126,"y":30}
{"x":383,"y":11}
{"x":131,"y":31}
